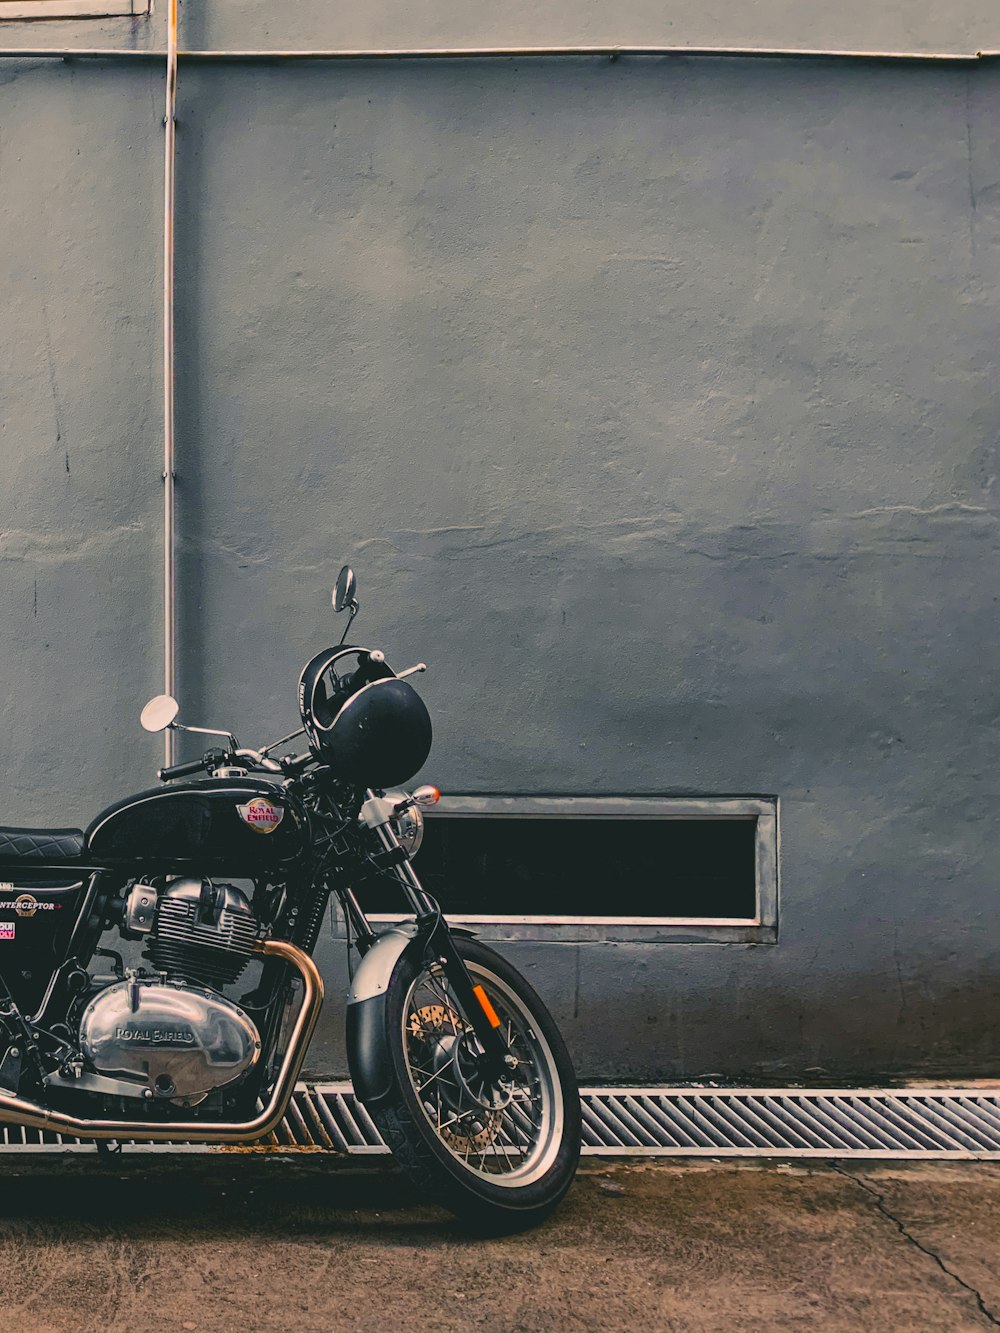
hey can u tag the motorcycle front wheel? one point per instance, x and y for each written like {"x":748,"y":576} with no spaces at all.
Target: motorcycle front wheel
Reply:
{"x":499,"y":1155}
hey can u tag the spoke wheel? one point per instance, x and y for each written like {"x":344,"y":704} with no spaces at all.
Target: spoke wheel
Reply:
{"x":508,"y":1132}
{"x":500,"y":1153}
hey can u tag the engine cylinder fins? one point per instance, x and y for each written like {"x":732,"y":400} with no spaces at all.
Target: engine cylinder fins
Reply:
{"x":183,"y":943}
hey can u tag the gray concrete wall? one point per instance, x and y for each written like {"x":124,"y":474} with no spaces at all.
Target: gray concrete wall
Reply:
{"x":656,"y":406}
{"x":853,"y":25}
{"x":79,"y":432}
{"x":894,"y":26}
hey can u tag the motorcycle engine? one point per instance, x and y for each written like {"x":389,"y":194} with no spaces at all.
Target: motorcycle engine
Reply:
{"x":167,"y":1039}
{"x":201,"y":931}
{"x":174,"y":1036}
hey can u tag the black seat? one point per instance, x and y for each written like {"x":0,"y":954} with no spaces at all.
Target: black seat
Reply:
{"x":41,"y":844}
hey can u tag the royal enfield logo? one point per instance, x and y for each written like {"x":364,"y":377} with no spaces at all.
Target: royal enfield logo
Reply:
{"x":262,"y":815}
{"x":156,"y":1036}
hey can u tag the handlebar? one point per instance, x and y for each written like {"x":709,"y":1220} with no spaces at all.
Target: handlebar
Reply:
{"x":219,"y":758}
{"x":183,"y":770}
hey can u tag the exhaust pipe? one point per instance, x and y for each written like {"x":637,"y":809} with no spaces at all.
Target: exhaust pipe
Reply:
{"x":19,"y":1111}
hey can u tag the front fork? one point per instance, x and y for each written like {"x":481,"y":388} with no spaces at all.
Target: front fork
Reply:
{"x":495,"y":1061}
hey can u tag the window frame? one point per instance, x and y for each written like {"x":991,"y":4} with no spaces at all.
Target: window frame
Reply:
{"x":18,"y":11}
{"x":762,"y":928}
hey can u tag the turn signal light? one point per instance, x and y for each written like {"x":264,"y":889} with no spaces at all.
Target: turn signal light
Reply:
{"x":426,"y":796}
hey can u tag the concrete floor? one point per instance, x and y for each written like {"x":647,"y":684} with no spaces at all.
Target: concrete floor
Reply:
{"x":241,"y":1244}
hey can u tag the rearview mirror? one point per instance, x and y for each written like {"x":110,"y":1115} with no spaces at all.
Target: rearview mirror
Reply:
{"x":347,"y":586}
{"x":159,"y":713}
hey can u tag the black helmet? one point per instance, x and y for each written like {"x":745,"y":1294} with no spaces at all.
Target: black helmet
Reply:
{"x":375,"y":736}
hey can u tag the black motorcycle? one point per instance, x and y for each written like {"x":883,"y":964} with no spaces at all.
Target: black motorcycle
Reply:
{"x":455,"y":1057}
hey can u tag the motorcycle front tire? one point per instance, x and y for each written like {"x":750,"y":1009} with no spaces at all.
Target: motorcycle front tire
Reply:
{"x":499,"y":1158}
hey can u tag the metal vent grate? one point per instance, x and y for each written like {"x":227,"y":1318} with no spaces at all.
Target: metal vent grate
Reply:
{"x":786,"y":1122}
{"x":659,"y":1122}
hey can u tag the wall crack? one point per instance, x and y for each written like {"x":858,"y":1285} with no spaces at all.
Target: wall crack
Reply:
{"x":907,"y":1235}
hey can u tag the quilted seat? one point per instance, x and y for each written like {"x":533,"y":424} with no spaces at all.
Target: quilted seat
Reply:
{"x":41,"y":844}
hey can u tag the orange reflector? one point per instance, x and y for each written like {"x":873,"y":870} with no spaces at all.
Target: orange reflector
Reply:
{"x":488,"y":1009}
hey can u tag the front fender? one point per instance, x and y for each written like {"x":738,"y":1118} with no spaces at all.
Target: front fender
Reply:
{"x":368,"y":1055}
{"x":378,"y":964}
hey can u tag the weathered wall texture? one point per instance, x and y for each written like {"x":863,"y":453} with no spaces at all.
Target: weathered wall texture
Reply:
{"x":961,"y":25}
{"x":655,"y":405}
{"x":851,"y":25}
{"x":79,"y":432}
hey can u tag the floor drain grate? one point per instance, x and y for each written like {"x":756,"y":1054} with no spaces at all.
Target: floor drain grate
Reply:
{"x":658,"y":1122}
{"x":789,"y":1122}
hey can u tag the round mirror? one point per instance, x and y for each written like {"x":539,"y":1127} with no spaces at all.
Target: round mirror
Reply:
{"x":343,"y":593}
{"x":159,"y":712}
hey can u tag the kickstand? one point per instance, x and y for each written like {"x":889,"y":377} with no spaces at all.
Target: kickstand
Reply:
{"x":108,"y":1147}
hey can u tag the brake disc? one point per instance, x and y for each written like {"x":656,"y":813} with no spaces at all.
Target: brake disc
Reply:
{"x":442,"y":1032}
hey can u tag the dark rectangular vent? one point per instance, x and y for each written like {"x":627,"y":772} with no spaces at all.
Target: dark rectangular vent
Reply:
{"x":588,"y":867}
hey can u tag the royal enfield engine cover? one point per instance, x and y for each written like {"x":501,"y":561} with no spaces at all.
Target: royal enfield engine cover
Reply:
{"x":177,"y":1040}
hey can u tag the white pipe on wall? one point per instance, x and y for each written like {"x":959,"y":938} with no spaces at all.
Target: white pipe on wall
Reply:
{"x":169,"y":473}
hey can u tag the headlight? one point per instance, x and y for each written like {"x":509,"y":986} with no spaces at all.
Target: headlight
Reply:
{"x":408,"y":826}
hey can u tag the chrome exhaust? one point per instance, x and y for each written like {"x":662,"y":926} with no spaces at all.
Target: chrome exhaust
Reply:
{"x":19,"y":1111}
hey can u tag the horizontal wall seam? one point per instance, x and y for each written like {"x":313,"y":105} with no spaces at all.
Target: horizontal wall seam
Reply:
{"x":607,"y":52}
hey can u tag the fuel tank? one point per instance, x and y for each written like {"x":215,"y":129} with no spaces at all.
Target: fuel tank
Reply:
{"x":238,"y":825}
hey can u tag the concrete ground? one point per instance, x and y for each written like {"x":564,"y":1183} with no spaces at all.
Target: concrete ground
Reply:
{"x":240,"y":1244}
